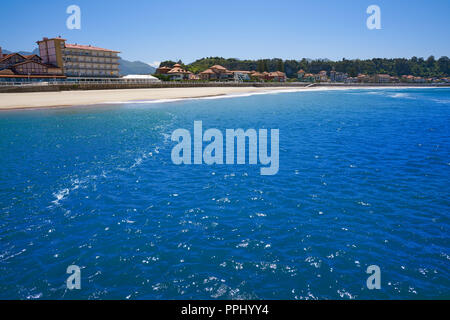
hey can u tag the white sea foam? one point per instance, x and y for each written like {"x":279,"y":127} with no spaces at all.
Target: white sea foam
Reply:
{"x":60,"y":195}
{"x":400,"y":95}
{"x":76,"y":183}
{"x":443,"y":101}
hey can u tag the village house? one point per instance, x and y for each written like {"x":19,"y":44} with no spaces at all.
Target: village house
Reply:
{"x":277,"y":76}
{"x":163,"y":70}
{"x":382,"y":78}
{"x":255,"y":75}
{"x":351,"y":80}
{"x":419,"y":80}
{"x":410,"y":78}
{"x":321,"y":76}
{"x":407,"y":78}
{"x":266,"y":75}
{"x":193,"y":77}
{"x":17,"y":66}
{"x":337,"y":76}
{"x":178,"y":73}
{"x":241,"y":75}
{"x":305,"y":77}
{"x":216,"y":72}
{"x":301,"y":74}
{"x":362,"y":78}
{"x":309,"y":77}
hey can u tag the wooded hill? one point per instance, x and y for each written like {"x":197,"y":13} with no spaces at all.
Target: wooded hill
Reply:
{"x":418,"y":67}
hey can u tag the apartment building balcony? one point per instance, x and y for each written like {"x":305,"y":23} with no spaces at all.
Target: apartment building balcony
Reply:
{"x":90,"y":54}
{"x":91,"y":62}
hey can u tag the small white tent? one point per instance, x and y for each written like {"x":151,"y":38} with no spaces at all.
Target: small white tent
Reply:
{"x":140,"y":78}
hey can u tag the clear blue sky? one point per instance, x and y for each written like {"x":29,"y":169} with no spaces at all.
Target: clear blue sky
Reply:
{"x":155,"y":30}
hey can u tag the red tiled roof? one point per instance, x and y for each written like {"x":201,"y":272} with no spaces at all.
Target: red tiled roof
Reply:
{"x":177,"y":70}
{"x":56,"y":38}
{"x":218,"y":67}
{"x":6,"y":72}
{"x":89,"y":47}
{"x":30,"y":61}
{"x":277,"y":74}
{"x":31,"y":56}
{"x":207,"y":71}
{"x":10,"y":55}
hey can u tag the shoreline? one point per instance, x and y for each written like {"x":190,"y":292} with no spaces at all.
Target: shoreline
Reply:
{"x":67,"y":99}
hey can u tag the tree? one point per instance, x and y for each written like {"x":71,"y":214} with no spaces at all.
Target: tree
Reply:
{"x":167,"y":63}
{"x":260,"y":66}
{"x":266,"y":66}
{"x":280,"y":66}
{"x":430,"y":62}
{"x":444,"y":65}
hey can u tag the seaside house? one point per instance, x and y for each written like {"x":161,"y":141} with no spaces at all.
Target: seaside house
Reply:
{"x":79,"y":60}
{"x":193,"y":77}
{"x":216,"y":72}
{"x":208,"y":74}
{"x":419,"y":80}
{"x":323,"y":76}
{"x":163,"y":70}
{"x":406,"y":78}
{"x":277,"y":76}
{"x":241,"y":75}
{"x":382,"y":78}
{"x":337,"y":76}
{"x":411,"y":78}
{"x":362,"y":78}
{"x":18,"y":67}
{"x":178,"y":73}
{"x":266,"y":75}
{"x":309,"y":77}
{"x":254,"y":75}
{"x":301,"y":74}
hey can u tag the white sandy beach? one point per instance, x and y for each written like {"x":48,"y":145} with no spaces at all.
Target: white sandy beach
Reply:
{"x":89,"y":97}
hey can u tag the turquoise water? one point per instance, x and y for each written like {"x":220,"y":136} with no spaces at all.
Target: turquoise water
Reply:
{"x":363,"y":180}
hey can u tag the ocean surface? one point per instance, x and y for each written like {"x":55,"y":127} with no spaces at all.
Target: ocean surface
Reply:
{"x":363,"y":180}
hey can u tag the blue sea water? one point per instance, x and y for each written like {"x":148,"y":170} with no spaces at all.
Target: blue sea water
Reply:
{"x":363,"y":180}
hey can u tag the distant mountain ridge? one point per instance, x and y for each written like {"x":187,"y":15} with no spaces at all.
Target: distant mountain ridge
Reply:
{"x":125,"y":67}
{"x":135,"y":67}
{"x":25,"y":53}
